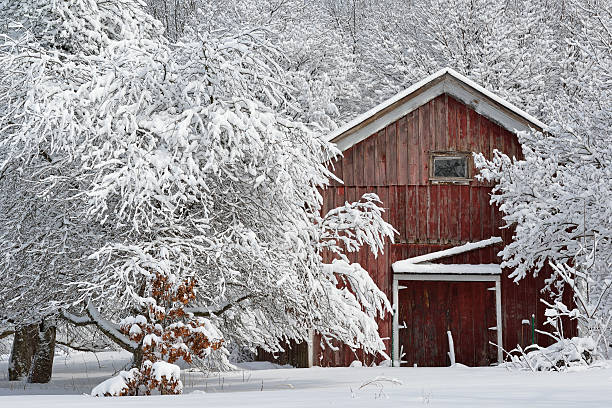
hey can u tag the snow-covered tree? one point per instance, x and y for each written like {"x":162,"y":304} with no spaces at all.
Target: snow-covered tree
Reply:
{"x":126,"y":160}
{"x":558,"y":197}
{"x":43,"y":44}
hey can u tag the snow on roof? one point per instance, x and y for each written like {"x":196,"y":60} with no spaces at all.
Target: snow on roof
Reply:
{"x":470,"y":246}
{"x":445,"y":71}
{"x":451,"y":269}
{"x":496,"y":98}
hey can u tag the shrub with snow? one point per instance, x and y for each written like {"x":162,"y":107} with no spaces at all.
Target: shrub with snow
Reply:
{"x":566,"y":353}
{"x":159,"y":376}
{"x":166,"y":331}
{"x":165,"y":334}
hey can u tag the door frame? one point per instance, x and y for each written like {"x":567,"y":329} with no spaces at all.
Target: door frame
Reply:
{"x":445,"y":278}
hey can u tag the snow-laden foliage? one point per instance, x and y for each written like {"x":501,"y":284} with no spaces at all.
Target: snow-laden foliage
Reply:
{"x":557,"y":198}
{"x":78,"y":26}
{"x":345,"y":56}
{"x":133,"y":159}
{"x":504,"y":46}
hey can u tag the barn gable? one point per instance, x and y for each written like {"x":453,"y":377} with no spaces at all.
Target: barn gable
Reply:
{"x":445,"y":81}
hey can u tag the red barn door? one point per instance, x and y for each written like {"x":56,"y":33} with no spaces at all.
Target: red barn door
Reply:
{"x":428,"y":309}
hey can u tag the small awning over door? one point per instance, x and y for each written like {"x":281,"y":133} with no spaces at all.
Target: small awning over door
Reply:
{"x":405,"y":265}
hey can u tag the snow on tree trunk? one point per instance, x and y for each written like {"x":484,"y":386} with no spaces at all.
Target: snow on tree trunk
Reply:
{"x":25,"y":342}
{"x":42,"y":362}
{"x":33,"y":352}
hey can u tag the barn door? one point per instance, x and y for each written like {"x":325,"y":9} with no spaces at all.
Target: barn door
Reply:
{"x":428,"y":309}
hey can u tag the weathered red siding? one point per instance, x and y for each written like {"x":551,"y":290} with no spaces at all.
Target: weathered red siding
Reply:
{"x":394,"y":164}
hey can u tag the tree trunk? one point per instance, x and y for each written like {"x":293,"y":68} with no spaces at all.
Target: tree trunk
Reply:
{"x":22,"y":352}
{"x":42,"y":363}
{"x":138,"y":358}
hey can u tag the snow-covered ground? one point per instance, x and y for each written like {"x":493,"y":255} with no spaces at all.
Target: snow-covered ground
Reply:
{"x":266,"y":385}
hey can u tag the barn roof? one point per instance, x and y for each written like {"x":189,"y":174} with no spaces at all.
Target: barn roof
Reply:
{"x":445,"y":81}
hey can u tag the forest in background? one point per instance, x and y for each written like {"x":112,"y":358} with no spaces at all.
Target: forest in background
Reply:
{"x":345,"y":56}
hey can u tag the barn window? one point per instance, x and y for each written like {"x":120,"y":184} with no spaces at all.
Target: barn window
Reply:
{"x":450,"y":167}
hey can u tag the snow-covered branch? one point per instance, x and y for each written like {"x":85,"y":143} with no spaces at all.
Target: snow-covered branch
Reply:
{"x":219,"y":309}
{"x":349,"y":227}
{"x":6,"y":333}
{"x":109,"y":329}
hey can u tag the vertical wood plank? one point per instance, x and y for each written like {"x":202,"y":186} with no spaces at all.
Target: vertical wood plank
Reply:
{"x":401,"y":212}
{"x":422,"y":206}
{"x":488,"y":137}
{"x":425,"y":138}
{"x":402,"y":152}
{"x":411,"y":213}
{"x":451,"y":112}
{"x":393,"y":207}
{"x":358,"y":164}
{"x":413,"y":148}
{"x":391,"y":154}
{"x":474,"y":132}
{"x":336,"y":167}
{"x":444,"y":210}
{"x":486,"y":213}
{"x":454,"y":210}
{"x":463,"y":131}
{"x":475,"y":218}
{"x":502,"y":143}
{"x":433,"y":213}
{"x":370,"y":161}
{"x":347,"y":167}
{"x":441,"y":123}
{"x":381,"y":158}
{"x":464,"y":217}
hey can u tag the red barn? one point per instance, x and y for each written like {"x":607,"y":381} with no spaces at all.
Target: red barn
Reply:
{"x":442,"y":273}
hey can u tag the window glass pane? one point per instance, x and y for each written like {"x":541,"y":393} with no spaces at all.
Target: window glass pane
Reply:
{"x":450,"y":167}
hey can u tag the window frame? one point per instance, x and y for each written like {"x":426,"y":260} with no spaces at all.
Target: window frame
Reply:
{"x":450,"y":180}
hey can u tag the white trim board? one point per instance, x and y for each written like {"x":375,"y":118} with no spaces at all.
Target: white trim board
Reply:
{"x":449,"y":269}
{"x":311,"y":356}
{"x":450,"y":278}
{"x":444,"y":277}
{"x":445,"y":81}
